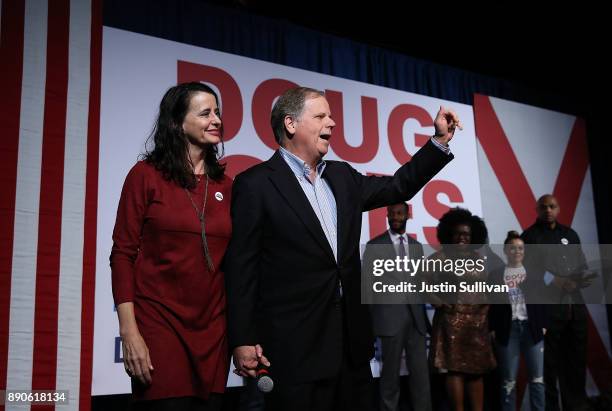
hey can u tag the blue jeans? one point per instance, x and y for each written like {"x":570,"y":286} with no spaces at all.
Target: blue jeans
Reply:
{"x":521,"y":341}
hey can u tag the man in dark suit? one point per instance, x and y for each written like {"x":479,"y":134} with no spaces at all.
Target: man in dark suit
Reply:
{"x":401,"y":326}
{"x":293,"y":268}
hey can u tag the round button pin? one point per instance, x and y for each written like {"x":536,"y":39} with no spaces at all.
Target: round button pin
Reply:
{"x":218,"y":196}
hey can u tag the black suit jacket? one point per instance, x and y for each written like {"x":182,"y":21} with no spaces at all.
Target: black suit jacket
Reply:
{"x":545,"y":252}
{"x":281,"y":275}
{"x":388,"y":319}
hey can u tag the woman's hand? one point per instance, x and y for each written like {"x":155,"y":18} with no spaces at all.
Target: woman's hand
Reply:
{"x":136,"y":357}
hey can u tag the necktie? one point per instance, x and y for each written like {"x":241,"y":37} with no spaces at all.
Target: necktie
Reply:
{"x":402,"y":250}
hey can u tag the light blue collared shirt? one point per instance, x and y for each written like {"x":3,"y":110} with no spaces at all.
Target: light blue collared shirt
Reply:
{"x":319,"y":194}
{"x":441,"y":146}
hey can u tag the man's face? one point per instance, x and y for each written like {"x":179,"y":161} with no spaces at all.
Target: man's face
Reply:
{"x":312,"y":130}
{"x":548,"y":209}
{"x":397,"y":215}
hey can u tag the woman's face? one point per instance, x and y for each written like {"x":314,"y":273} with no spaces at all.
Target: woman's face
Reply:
{"x":462,"y":234}
{"x":202,"y":124}
{"x":515,"y":251}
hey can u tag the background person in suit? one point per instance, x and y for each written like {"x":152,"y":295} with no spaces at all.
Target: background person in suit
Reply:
{"x":401,"y":326}
{"x":293,"y":264}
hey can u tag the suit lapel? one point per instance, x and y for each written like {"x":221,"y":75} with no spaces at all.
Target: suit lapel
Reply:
{"x":285,"y":182}
{"x":412,"y":248}
{"x":387,"y":238}
{"x":393,"y":250}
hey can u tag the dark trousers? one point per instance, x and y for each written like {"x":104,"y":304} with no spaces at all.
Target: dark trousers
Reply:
{"x":251,"y":399}
{"x":214,"y":403}
{"x":565,"y":346}
{"x":350,"y":390}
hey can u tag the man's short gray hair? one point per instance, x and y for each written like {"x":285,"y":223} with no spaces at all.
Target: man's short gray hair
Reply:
{"x":290,"y":103}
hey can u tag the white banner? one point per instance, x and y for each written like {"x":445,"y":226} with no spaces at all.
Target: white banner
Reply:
{"x":525,"y":152}
{"x":137,"y":70}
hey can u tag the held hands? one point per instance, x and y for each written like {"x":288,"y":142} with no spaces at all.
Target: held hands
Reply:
{"x":445,"y":123}
{"x":136,"y":358}
{"x":247,"y":358}
{"x":565,"y":284}
{"x":569,"y":285}
{"x":586,"y":279}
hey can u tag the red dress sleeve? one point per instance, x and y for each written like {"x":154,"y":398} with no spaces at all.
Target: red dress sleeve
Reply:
{"x":128,"y":230}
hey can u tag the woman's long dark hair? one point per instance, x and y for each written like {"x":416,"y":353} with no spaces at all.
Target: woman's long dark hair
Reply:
{"x":170,"y":152}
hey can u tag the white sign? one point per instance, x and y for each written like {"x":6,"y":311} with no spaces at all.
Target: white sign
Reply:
{"x":377,"y":130}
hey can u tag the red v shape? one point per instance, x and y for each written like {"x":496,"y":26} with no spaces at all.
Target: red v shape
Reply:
{"x":567,"y":189}
{"x":510,"y":175}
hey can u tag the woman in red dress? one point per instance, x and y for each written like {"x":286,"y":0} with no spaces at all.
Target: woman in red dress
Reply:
{"x":173,"y":226}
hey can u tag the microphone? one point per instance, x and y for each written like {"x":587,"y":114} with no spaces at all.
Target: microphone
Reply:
{"x":265,"y":383}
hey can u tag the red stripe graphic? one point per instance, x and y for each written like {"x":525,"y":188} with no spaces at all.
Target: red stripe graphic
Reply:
{"x":575,"y":164}
{"x":51,"y":189}
{"x":11,"y":61}
{"x":91,"y":207}
{"x":503,"y":161}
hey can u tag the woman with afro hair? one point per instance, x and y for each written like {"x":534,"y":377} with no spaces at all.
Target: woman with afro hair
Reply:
{"x":461,"y":347}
